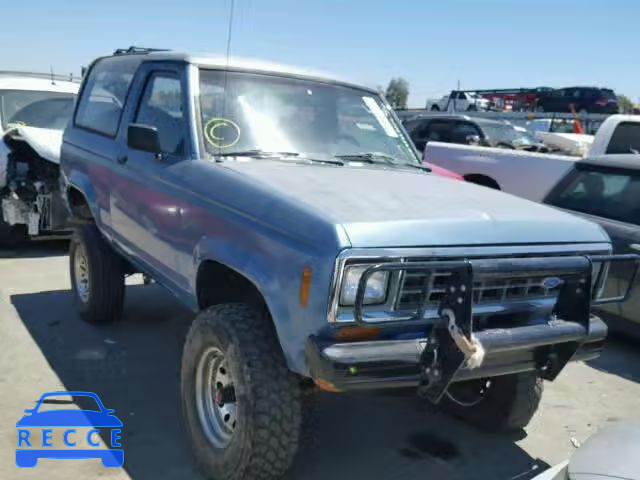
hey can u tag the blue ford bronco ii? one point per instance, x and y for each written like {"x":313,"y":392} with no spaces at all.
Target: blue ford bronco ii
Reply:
{"x":291,"y":212}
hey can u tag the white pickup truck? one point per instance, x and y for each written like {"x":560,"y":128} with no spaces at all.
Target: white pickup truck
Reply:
{"x":528,"y":174}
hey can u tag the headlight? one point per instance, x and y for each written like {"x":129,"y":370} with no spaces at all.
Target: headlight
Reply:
{"x":375,"y":293}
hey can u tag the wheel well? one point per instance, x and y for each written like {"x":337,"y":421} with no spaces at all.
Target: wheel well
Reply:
{"x":78,"y":205}
{"x":483,"y":180}
{"x":216,"y":283}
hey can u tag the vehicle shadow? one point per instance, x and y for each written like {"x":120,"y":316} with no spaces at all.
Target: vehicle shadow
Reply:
{"x":133,"y":366}
{"x":621,"y":356}
{"x":37,"y":249}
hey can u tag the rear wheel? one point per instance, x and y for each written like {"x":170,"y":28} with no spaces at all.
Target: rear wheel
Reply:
{"x":97,"y":276}
{"x":507,"y":402}
{"x":241,"y":404}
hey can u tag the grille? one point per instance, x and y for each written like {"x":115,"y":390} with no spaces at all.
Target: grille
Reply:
{"x":502,"y":291}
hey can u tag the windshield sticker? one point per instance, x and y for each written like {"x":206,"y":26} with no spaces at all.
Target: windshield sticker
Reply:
{"x":222,"y":132}
{"x":380,"y":116}
{"x":366,"y":126}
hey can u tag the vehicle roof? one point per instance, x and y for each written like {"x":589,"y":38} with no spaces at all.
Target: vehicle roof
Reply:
{"x":629,"y":161}
{"x":11,"y":81}
{"x":218,"y":61}
{"x":586,"y":87}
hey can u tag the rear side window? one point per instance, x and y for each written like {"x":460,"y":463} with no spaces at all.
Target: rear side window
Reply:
{"x":104,"y":95}
{"x":625,"y":139}
{"x":606,"y":193}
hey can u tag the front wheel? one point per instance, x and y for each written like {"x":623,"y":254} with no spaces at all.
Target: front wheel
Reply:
{"x":97,"y":276}
{"x":241,"y":404}
{"x":507,"y":402}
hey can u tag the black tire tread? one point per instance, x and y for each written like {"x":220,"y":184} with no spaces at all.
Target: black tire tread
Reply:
{"x":273,"y":391}
{"x":509,"y":404}
{"x":106,"y":297}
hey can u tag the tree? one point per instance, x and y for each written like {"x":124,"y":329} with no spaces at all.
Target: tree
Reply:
{"x":397,"y":92}
{"x":624,"y":104}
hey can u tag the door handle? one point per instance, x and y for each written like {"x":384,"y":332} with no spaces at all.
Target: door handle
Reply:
{"x":122,"y":158}
{"x":635,"y":246}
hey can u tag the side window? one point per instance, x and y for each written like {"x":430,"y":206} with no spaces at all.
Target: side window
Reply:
{"x":420,"y":131}
{"x":609,"y":194}
{"x":161,"y":107}
{"x":104,"y":94}
{"x":462,"y":130}
{"x":625,"y":138}
{"x":439,"y":131}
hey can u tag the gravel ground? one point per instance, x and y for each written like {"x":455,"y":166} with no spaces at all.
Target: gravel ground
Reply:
{"x":134,"y":367}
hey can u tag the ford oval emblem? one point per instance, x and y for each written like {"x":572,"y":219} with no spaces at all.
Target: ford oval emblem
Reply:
{"x":550,"y":283}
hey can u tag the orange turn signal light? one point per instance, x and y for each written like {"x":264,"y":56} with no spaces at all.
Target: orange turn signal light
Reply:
{"x":305,"y":285}
{"x":357,"y":333}
{"x":328,"y":386}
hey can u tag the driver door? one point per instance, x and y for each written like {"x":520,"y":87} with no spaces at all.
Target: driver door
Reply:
{"x":146,"y":210}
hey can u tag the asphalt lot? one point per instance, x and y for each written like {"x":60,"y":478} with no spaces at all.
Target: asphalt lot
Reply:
{"x":133,"y":366}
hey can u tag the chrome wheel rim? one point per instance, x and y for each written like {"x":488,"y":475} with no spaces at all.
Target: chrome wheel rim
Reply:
{"x":81,"y":273}
{"x":215,"y":398}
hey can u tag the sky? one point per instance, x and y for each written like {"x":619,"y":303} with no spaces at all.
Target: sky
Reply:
{"x":433,"y":44}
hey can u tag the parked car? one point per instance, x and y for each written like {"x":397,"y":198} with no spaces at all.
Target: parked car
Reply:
{"x":34,"y":113}
{"x":443,"y":172}
{"x":460,"y":102}
{"x":606,"y":190}
{"x":530,"y":175}
{"x":609,"y":454}
{"x":291,"y":212}
{"x":583,"y":99}
{"x":467,"y":130}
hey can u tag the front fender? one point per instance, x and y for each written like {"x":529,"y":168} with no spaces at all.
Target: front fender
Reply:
{"x":275,"y":269}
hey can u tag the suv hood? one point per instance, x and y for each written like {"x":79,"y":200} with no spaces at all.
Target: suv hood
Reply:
{"x":392,"y":207}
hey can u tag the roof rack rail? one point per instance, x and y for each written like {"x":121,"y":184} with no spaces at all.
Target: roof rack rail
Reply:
{"x":47,"y":76}
{"x":138,"y":50}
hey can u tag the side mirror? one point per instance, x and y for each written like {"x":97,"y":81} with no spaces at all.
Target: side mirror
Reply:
{"x":144,"y":137}
{"x":473,"y":139}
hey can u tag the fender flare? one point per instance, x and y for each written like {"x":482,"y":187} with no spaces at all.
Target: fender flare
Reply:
{"x":257,"y":268}
{"x":81,"y":182}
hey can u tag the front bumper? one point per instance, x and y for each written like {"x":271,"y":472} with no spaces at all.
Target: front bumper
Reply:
{"x":397,"y":363}
{"x":442,"y":355}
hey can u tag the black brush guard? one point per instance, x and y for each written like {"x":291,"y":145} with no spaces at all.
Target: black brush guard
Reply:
{"x":434,"y":362}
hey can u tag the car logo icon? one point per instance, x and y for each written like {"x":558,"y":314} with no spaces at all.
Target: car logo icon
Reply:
{"x":41,"y":422}
{"x":551,"y":283}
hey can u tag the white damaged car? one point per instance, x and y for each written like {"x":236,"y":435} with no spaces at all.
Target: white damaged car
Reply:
{"x":34,"y":112}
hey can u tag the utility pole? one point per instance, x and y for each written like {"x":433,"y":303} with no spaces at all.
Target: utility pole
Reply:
{"x":458,"y":84}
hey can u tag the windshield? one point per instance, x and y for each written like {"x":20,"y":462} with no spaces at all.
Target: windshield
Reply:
{"x":256,"y":112}
{"x":508,"y":134}
{"x":35,"y":108}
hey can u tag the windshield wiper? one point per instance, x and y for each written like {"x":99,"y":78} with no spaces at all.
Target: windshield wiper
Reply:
{"x":257,"y":153}
{"x":380,"y":159}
